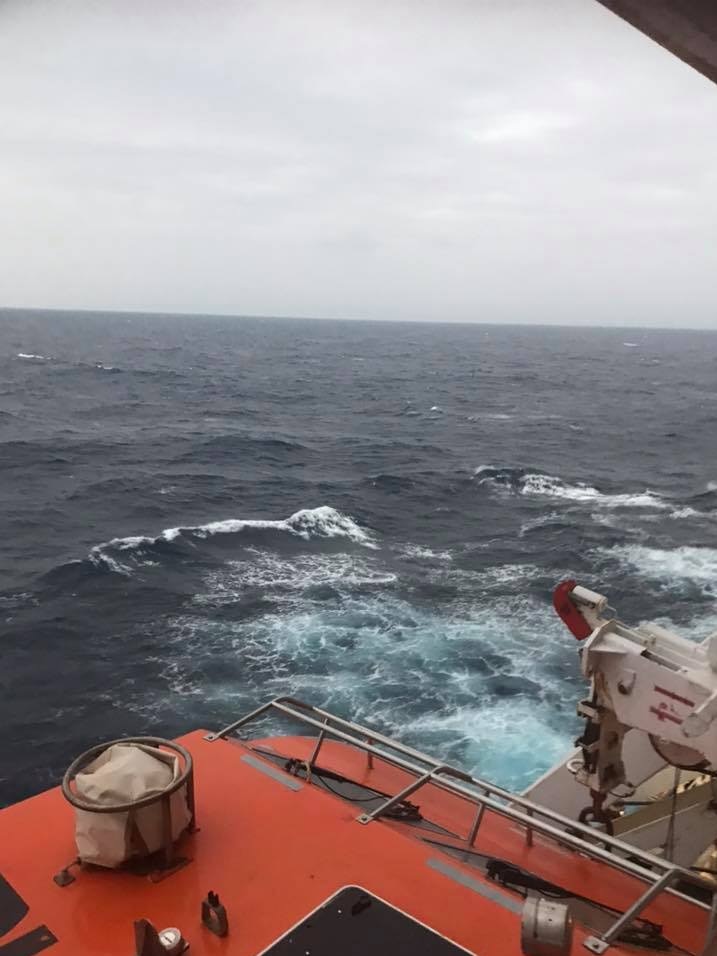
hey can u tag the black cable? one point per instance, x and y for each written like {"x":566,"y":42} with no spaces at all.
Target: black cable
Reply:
{"x":292,"y":765}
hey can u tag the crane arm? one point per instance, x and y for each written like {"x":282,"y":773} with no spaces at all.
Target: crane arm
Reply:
{"x":644,"y":677}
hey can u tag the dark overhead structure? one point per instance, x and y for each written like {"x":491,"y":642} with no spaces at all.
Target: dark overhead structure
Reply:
{"x":687,"y":28}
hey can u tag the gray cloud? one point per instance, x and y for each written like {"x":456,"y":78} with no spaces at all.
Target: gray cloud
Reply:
{"x":531,"y":161}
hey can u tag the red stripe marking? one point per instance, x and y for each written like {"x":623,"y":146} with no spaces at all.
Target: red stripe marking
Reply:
{"x":669,"y":693}
{"x":664,"y":715}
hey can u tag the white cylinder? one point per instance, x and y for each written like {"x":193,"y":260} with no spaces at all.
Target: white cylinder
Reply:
{"x":546,"y":928}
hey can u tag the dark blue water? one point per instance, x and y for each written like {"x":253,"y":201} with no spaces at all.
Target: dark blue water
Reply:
{"x":200,"y":513}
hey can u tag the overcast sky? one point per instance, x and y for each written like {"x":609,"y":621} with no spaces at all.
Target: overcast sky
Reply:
{"x":472,"y":160}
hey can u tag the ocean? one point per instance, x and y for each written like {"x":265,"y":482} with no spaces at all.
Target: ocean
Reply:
{"x":200,"y":513}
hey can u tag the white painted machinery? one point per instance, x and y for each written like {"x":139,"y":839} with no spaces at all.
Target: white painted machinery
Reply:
{"x":648,"y":753}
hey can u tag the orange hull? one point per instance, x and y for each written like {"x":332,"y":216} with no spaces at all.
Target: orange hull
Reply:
{"x":274,"y":847}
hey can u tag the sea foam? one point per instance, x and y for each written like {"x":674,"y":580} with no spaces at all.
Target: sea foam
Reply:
{"x":676,"y":565}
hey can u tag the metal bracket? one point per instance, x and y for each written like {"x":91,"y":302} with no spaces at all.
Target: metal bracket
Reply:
{"x":595,"y":944}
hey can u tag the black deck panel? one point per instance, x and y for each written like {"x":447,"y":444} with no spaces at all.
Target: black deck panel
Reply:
{"x":30,"y":944}
{"x":355,"y":923}
{"x":12,"y":906}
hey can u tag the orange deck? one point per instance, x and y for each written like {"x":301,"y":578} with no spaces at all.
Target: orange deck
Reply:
{"x":274,"y":853}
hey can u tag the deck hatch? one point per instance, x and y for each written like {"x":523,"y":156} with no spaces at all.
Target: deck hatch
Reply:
{"x":31,"y":943}
{"x":353,"y":923}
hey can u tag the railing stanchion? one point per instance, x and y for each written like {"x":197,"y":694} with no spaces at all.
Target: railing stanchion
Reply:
{"x":598,"y":944}
{"x":477,"y":820}
{"x":317,"y":748}
{"x":399,"y":798}
{"x":710,"y":947}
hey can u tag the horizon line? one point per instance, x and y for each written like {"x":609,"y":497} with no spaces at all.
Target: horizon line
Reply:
{"x":354,"y":319}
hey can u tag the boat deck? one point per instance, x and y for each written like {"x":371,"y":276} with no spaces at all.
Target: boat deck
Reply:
{"x":275,"y":847}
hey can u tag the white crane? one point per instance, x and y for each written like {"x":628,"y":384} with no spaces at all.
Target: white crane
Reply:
{"x":652,"y":704}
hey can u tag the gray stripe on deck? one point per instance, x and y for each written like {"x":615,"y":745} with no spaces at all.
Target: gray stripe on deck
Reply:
{"x":465,"y":879}
{"x":272,"y":772}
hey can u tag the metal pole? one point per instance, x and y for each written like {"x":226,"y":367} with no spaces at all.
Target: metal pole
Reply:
{"x":478,"y":819}
{"x":242,"y":720}
{"x":669,"y":847}
{"x":598,"y":944}
{"x":529,"y":831}
{"x":317,"y":748}
{"x":710,"y":947}
{"x":406,"y":792}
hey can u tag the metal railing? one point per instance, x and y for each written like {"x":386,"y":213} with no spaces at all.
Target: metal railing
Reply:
{"x":659,"y":874}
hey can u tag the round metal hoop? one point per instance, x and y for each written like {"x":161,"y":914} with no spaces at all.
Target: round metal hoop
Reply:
{"x":89,"y":755}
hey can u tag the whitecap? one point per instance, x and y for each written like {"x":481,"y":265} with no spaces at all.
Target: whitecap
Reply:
{"x":631,"y":345}
{"x":688,"y":512}
{"x":99,"y":557}
{"x":490,"y":417}
{"x":30,"y":356}
{"x":423,"y":553}
{"x":321,"y":522}
{"x":678,"y":565}
{"x":309,"y":523}
{"x":538,"y":522}
{"x":550,"y":486}
{"x":17,"y":600}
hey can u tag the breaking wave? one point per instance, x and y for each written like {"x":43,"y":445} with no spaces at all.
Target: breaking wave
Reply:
{"x":307,"y":524}
{"x":521,"y":481}
{"x":32,"y":357}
